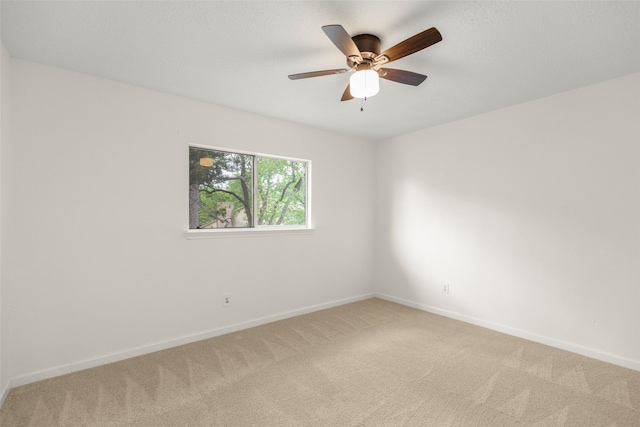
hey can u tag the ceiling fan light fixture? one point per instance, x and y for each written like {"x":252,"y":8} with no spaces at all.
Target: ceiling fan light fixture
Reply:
{"x":364,"y":84}
{"x":206,"y":162}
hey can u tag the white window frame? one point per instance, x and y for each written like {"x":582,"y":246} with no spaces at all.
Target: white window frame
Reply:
{"x":256,"y":230}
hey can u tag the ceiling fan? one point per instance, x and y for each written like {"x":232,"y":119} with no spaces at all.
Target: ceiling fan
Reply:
{"x":363,"y":56}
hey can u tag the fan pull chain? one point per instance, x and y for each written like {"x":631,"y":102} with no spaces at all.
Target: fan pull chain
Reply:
{"x":362,"y":104}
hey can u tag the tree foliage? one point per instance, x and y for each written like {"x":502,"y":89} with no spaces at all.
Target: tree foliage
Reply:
{"x":221,"y":194}
{"x":281,"y":192}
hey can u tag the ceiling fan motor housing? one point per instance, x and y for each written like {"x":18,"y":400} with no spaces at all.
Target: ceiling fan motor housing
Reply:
{"x":369,"y":47}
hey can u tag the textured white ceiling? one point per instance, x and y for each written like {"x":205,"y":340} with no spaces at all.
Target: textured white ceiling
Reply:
{"x":238,"y":53}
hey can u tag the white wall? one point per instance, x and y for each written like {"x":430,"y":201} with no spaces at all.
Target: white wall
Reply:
{"x":530,"y":213}
{"x":5,"y":103}
{"x":100,"y":264}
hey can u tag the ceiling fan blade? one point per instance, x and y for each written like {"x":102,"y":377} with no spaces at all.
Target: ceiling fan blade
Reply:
{"x":402,"y":76}
{"x":343,"y":41}
{"x":347,"y":94}
{"x":317,"y":73}
{"x":411,"y":45}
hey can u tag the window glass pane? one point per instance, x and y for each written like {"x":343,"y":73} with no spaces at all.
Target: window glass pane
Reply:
{"x":220,"y":189}
{"x":281,"y":192}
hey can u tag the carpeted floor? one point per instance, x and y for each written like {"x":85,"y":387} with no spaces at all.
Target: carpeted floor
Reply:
{"x":370,"y":363}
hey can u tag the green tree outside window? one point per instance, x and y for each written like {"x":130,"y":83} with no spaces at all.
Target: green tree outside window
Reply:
{"x":223,"y":191}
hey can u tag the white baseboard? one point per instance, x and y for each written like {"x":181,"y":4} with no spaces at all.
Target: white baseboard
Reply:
{"x":5,"y":393}
{"x":150,"y":348}
{"x":563,"y":345}
{"x":163,"y":345}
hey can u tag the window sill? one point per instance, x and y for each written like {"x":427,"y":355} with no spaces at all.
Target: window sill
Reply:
{"x":245,"y":232}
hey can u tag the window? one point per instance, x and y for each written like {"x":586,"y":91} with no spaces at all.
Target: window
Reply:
{"x":243,"y":190}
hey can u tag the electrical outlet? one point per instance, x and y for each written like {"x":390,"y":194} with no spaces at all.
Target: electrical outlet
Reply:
{"x":226,"y":300}
{"x":445,"y":289}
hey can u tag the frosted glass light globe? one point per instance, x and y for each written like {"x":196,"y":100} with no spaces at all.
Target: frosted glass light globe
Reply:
{"x":364,"y":84}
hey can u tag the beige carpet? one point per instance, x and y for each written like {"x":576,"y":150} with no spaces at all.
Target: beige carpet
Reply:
{"x":370,"y":363}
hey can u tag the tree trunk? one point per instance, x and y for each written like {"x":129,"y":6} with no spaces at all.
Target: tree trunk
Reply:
{"x":263,"y":206}
{"x":286,"y":205}
{"x":194,"y":206}
{"x":245,"y":194}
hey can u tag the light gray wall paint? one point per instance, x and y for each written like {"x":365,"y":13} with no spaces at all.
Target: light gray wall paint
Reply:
{"x":530,"y":213}
{"x":101,"y":264}
{"x":5,"y":152}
